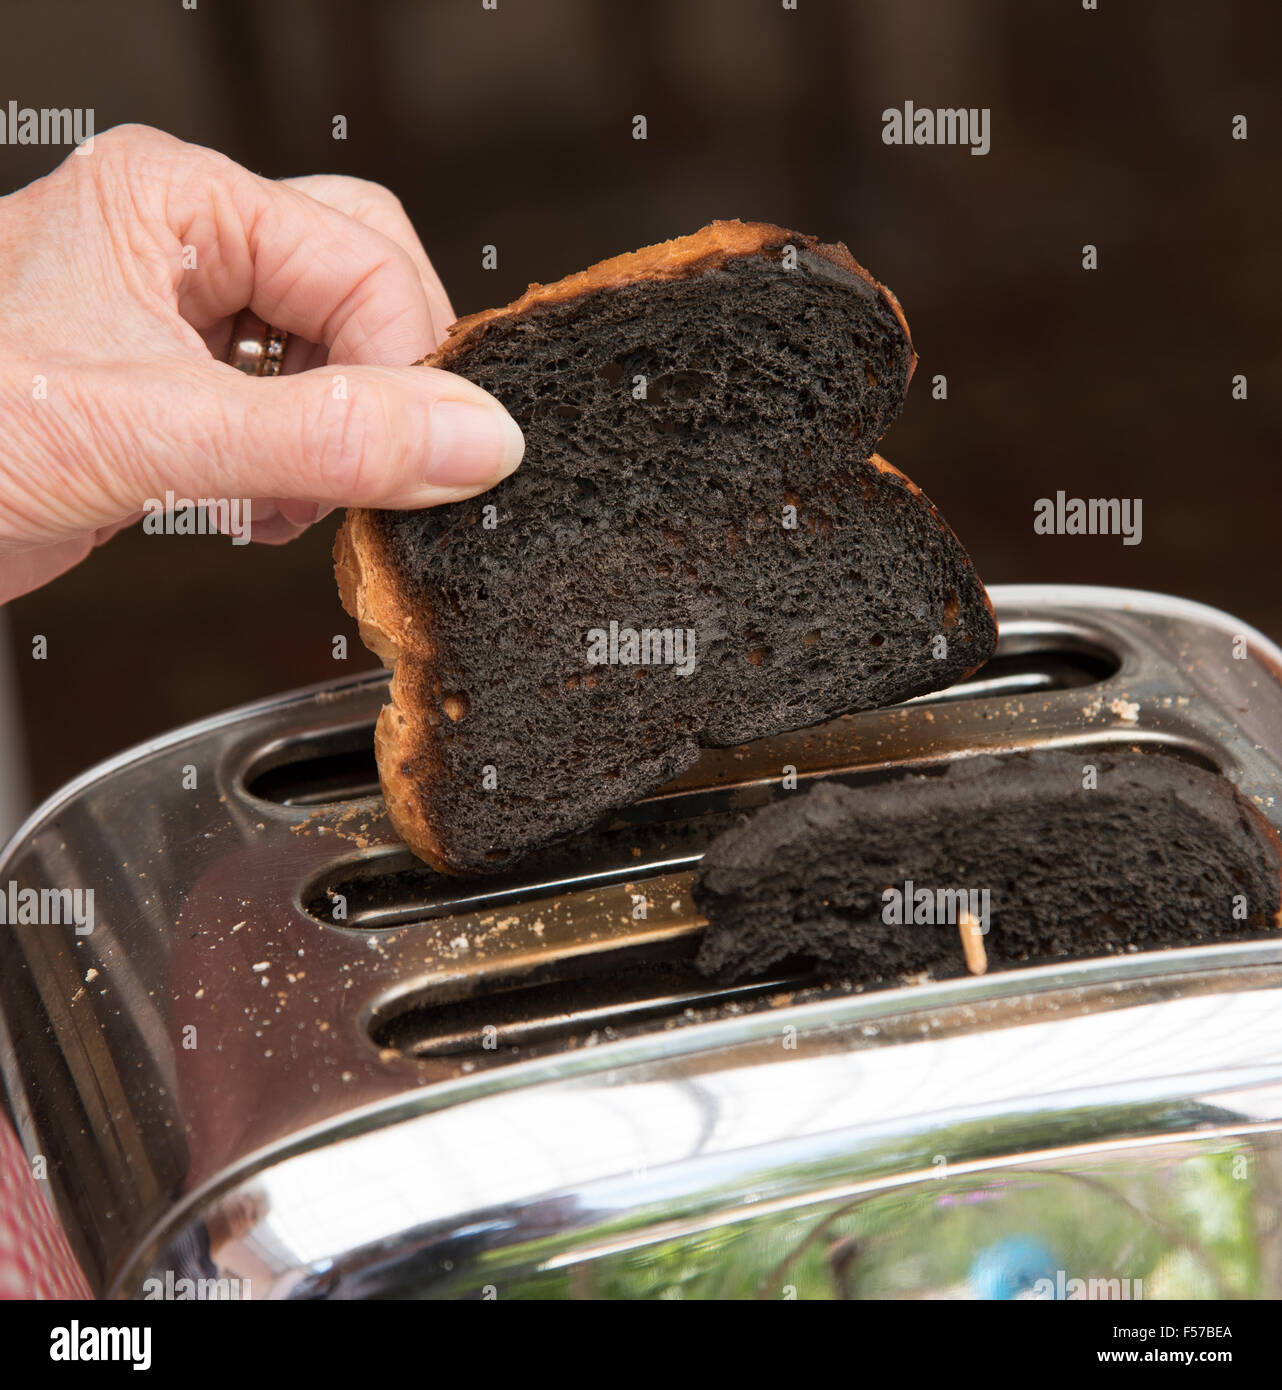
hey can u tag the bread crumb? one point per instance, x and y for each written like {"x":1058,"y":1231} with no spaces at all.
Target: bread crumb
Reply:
{"x":1128,"y":711}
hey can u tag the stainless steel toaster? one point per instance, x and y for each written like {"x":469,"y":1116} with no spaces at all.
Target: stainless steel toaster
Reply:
{"x":289,"y":1061}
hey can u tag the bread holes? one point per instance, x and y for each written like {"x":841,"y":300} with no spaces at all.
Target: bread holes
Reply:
{"x":739,"y":372}
{"x":456,"y":705}
{"x":952,"y":607}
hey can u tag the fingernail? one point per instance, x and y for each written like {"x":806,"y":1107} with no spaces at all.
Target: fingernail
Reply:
{"x":472,"y":444}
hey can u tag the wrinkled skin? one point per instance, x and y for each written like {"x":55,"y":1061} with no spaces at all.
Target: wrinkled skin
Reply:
{"x":121,"y":274}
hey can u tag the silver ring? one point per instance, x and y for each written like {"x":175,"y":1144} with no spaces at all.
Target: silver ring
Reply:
{"x":257,"y":348}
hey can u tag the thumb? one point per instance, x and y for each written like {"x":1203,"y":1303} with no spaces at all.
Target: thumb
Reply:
{"x":363,"y":436}
{"x":106,"y":441}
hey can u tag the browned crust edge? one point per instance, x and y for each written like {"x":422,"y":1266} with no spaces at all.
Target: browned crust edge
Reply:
{"x":392,"y":629}
{"x":883,"y":466}
{"x":677,"y":259}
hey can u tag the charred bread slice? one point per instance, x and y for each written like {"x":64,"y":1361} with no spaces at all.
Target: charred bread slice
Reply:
{"x":699,"y":549}
{"x":1082,"y":853}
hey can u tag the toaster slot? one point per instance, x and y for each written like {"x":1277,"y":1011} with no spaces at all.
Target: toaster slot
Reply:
{"x":664,"y":835}
{"x":1037,"y":670}
{"x":396,"y":890}
{"x":316,"y":769}
{"x":565,"y":1004}
{"x":330,"y":766}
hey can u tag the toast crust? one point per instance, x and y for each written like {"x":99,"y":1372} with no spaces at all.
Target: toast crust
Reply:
{"x":882,"y":466}
{"x":399,"y":631}
{"x":393,"y":631}
{"x":678,"y":259}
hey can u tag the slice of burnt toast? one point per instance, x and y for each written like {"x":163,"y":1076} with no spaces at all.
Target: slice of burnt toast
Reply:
{"x":699,"y":549}
{"x":1081,"y":853}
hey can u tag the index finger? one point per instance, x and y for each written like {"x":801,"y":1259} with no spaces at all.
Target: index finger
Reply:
{"x":380,"y":208}
{"x":301,"y":265}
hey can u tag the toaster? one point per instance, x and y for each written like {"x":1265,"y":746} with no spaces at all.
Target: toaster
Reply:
{"x":266,"y":1053}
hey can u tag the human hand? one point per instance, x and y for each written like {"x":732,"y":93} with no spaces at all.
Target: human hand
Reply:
{"x":121,"y":274}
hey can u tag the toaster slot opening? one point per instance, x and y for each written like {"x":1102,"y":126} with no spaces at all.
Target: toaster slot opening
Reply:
{"x":1037,"y":670}
{"x":572,"y":1002}
{"x":329,"y":767}
{"x":390,"y":889}
{"x":315,"y":769}
{"x":395,"y":890}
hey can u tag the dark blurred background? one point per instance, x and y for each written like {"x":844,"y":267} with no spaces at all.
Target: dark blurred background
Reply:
{"x":514,"y":127}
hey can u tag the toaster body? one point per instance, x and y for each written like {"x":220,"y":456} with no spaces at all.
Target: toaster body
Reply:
{"x":286,"y":1060}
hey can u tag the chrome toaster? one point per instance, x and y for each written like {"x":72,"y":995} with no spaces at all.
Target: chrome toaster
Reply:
{"x":289,"y":1061}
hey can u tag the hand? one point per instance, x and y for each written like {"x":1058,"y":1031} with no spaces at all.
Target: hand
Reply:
{"x":121,"y":274}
